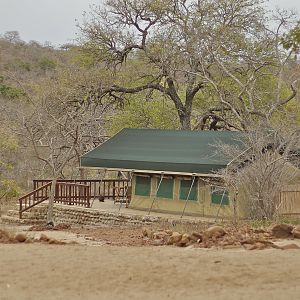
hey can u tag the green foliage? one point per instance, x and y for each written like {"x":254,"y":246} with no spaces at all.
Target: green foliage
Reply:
{"x":139,"y":113}
{"x":9,"y":189}
{"x":10,"y":92}
{"x":8,"y":145}
{"x":24,"y":65}
{"x":82,"y":57}
{"x":292,"y":40}
{"x":46,"y":64}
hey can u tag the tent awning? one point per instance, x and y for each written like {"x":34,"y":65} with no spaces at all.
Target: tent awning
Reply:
{"x":169,"y":151}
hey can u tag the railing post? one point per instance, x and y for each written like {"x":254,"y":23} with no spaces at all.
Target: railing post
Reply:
{"x":20,"y":209}
{"x":114,"y":191}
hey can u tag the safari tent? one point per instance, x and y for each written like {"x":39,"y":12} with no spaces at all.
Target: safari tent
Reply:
{"x":171,"y":171}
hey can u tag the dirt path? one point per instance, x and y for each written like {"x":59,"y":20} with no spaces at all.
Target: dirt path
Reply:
{"x":37,"y":271}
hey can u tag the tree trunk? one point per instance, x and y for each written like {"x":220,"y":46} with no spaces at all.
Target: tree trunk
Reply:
{"x":50,"y":217}
{"x":185,"y":120}
{"x":82,"y":173}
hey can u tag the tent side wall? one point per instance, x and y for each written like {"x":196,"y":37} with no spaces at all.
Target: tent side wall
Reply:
{"x":202,"y":206}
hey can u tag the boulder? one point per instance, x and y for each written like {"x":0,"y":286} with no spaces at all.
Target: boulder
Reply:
{"x":168,"y":231}
{"x":296,"y":232}
{"x":214,"y":231}
{"x":195,"y":236}
{"x":174,"y":238}
{"x":20,"y":237}
{"x":290,"y":247}
{"x":56,"y":242}
{"x":160,"y":235}
{"x":44,"y":238}
{"x":185,"y":241}
{"x":282,"y":231}
{"x":157,"y":243}
{"x":147,"y":232}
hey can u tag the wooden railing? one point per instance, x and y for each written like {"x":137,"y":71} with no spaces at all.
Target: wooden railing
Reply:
{"x":33,"y":198}
{"x":72,"y":194}
{"x":99,"y":189}
{"x":67,"y":193}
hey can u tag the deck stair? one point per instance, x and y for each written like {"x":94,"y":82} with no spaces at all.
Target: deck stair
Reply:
{"x":35,"y":215}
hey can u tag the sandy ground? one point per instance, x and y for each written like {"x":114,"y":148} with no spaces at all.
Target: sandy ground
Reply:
{"x":38,"y":271}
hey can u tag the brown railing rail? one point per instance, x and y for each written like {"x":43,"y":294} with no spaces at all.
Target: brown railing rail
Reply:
{"x":99,"y":188}
{"x":33,"y":198}
{"x":68,"y":193}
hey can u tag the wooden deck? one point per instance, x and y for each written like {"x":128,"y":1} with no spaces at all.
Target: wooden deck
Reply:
{"x":76,"y":192}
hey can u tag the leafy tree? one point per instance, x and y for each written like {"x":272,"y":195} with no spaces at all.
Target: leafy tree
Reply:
{"x":187,"y":50}
{"x":46,"y":64}
{"x":139,"y":113}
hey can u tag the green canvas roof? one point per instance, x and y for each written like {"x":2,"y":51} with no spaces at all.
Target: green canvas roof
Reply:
{"x":162,"y":150}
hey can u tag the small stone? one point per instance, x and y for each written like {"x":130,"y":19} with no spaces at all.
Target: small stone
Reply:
{"x":20,"y":237}
{"x":282,"y":231}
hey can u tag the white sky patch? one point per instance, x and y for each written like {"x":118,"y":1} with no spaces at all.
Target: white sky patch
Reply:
{"x":54,"y":21}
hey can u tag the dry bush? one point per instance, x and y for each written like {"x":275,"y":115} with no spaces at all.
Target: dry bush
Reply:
{"x":260,"y":166}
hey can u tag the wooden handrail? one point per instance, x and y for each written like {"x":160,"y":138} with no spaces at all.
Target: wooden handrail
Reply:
{"x":30,"y":202}
{"x":36,"y":190}
{"x":65,"y":193}
{"x":99,"y":188}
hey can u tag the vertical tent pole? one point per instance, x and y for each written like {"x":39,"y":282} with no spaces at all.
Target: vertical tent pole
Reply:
{"x":161,"y":178}
{"x":101,"y":180}
{"x":221,"y":202}
{"x":186,"y":201}
{"x":125,"y":193}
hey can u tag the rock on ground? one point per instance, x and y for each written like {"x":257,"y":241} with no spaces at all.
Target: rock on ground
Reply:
{"x":282,"y":231}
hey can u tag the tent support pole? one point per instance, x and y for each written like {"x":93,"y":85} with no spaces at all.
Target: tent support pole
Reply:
{"x":161,"y":178}
{"x":125,"y":192}
{"x":99,"y":186}
{"x":186,"y":200}
{"x":221,"y":203}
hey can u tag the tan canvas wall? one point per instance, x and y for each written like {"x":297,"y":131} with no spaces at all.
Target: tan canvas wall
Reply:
{"x":202,"y":207}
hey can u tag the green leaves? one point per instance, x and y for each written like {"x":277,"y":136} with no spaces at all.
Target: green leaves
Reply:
{"x":140,"y":113}
{"x":11,"y":92}
{"x":292,"y":40}
{"x":9,"y":188}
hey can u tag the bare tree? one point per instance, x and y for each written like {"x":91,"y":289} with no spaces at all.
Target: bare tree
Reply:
{"x":261,"y":164}
{"x":215,"y":54}
{"x":60,"y":130}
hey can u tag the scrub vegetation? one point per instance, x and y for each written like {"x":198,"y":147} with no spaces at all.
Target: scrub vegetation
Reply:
{"x":193,"y":65}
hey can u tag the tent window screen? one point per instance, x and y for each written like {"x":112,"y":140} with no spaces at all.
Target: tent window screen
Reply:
{"x":185,"y":186}
{"x":219,"y":196}
{"x":166,"y":188}
{"x":142,"y":186}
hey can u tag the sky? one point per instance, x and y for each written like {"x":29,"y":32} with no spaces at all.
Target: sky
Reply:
{"x":55,"y":20}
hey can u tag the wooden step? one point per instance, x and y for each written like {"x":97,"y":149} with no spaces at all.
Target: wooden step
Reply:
{"x":16,"y":221}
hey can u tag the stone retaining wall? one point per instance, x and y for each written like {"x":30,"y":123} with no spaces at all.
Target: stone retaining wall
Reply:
{"x":94,"y":217}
